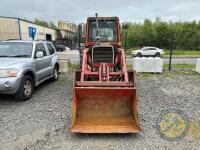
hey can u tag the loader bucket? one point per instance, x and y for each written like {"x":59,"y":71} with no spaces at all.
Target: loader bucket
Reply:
{"x":105,"y":110}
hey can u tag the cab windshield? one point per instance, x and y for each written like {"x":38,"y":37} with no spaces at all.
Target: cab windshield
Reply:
{"x":107,"y":30}
{"x":16,"y":49}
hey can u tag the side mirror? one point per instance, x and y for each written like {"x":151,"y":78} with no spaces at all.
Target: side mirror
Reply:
{"x":39,"y":54}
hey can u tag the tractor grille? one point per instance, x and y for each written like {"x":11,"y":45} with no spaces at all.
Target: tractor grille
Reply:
{"x":102,"y":54}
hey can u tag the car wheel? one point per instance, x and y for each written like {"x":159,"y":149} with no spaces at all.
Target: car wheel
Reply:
{"x":157,"y":54}
{"x":139,"y":55}
{"x":55,"y":74}
{"x":26,"y":89}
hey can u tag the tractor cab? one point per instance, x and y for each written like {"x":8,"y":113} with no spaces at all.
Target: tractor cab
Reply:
{"x":103,"y":43}
{"x":105,"y":30}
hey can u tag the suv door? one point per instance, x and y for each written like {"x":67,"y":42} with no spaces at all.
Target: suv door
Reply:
{"x":51,"y":51}
{"x":41,"y":64}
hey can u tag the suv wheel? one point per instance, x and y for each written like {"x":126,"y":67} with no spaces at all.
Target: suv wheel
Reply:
{"x":157,"y":54}
{"x":26,"y":89}
{"x":55,"y":74}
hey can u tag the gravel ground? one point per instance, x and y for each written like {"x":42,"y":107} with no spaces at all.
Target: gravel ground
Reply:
{"x":43,"y":121}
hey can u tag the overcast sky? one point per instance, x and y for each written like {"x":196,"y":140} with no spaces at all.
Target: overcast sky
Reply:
{"x":77,"y":10}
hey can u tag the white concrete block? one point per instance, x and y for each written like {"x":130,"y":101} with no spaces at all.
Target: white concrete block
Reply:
{"x":72,"y":55}
{"x":149,"y":64}
{"x":198,"y":65}
{"x":64,"y":65}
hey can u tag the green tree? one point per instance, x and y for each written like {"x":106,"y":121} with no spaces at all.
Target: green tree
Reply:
{"x":52,"y":25}
{"x":185,"y":35}
{"x":41,"y":22}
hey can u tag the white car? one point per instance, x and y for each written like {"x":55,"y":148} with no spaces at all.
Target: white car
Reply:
{"x":148,"y":51}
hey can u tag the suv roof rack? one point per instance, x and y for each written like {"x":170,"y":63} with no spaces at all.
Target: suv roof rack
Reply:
{"x":13,"y":40}
{"x":42,"y":40}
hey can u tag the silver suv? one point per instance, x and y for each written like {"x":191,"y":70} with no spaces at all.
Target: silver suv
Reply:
{"x":26,"y":64}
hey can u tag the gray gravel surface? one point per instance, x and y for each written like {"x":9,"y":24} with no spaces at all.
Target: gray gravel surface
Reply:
{"x":43,"y":121}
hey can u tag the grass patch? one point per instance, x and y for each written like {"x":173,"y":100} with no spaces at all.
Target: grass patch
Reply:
{"x":168,"y":73}
{"x":180,"y":72}
{"x":68,"y":77}
{"x":192,"y":66}
{"x":65,"y":78}
{"x":175,"y":52}
{"x":146,"y":74}
{"x":183,"y":52}
{"x":129,"y":66}
{"x":174,"y":66}
{"x":73,"y":67}
{"x":128,"y":51}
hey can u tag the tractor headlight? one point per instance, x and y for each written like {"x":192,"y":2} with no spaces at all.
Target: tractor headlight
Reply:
{"x":4,"y":73}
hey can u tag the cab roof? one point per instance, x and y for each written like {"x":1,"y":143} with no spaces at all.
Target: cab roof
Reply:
{"x":103,"y":18}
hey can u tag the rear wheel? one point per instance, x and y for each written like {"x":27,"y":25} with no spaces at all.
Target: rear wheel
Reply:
{"x":55,"y":74}
{"x":157,"y":54}
{"x":26,"y":89}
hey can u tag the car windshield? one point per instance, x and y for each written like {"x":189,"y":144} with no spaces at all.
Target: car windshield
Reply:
{"x":15,"y":49}
{"x":107,"y":30}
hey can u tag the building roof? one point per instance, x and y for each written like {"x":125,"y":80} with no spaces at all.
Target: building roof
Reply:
{"x":27,"y":21}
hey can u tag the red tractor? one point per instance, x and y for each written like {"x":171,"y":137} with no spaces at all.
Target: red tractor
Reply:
{"x":105,"y":95}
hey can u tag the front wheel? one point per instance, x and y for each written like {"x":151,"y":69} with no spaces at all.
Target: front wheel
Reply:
{"x":25,"y":91}
{"x":139,"y":55}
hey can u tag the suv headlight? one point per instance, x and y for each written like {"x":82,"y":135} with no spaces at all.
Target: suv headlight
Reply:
{"x":4,"y":73}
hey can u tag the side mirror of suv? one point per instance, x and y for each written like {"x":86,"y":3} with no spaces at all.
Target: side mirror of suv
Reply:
{"x":39,"y":54}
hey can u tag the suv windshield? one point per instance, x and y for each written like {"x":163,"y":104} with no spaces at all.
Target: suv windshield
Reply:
{"x":15,"y":49}
{"x":107,"y":30}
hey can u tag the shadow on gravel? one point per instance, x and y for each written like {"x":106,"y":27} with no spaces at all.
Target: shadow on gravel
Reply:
{"x":84,"y":136}
{"x":43,"y":85}
{"x":10,"y":98}
{"x":4,"y":98}
{"x":104,"y":136}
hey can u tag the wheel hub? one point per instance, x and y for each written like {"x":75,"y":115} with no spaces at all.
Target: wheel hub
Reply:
{"x":27,"y":88}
